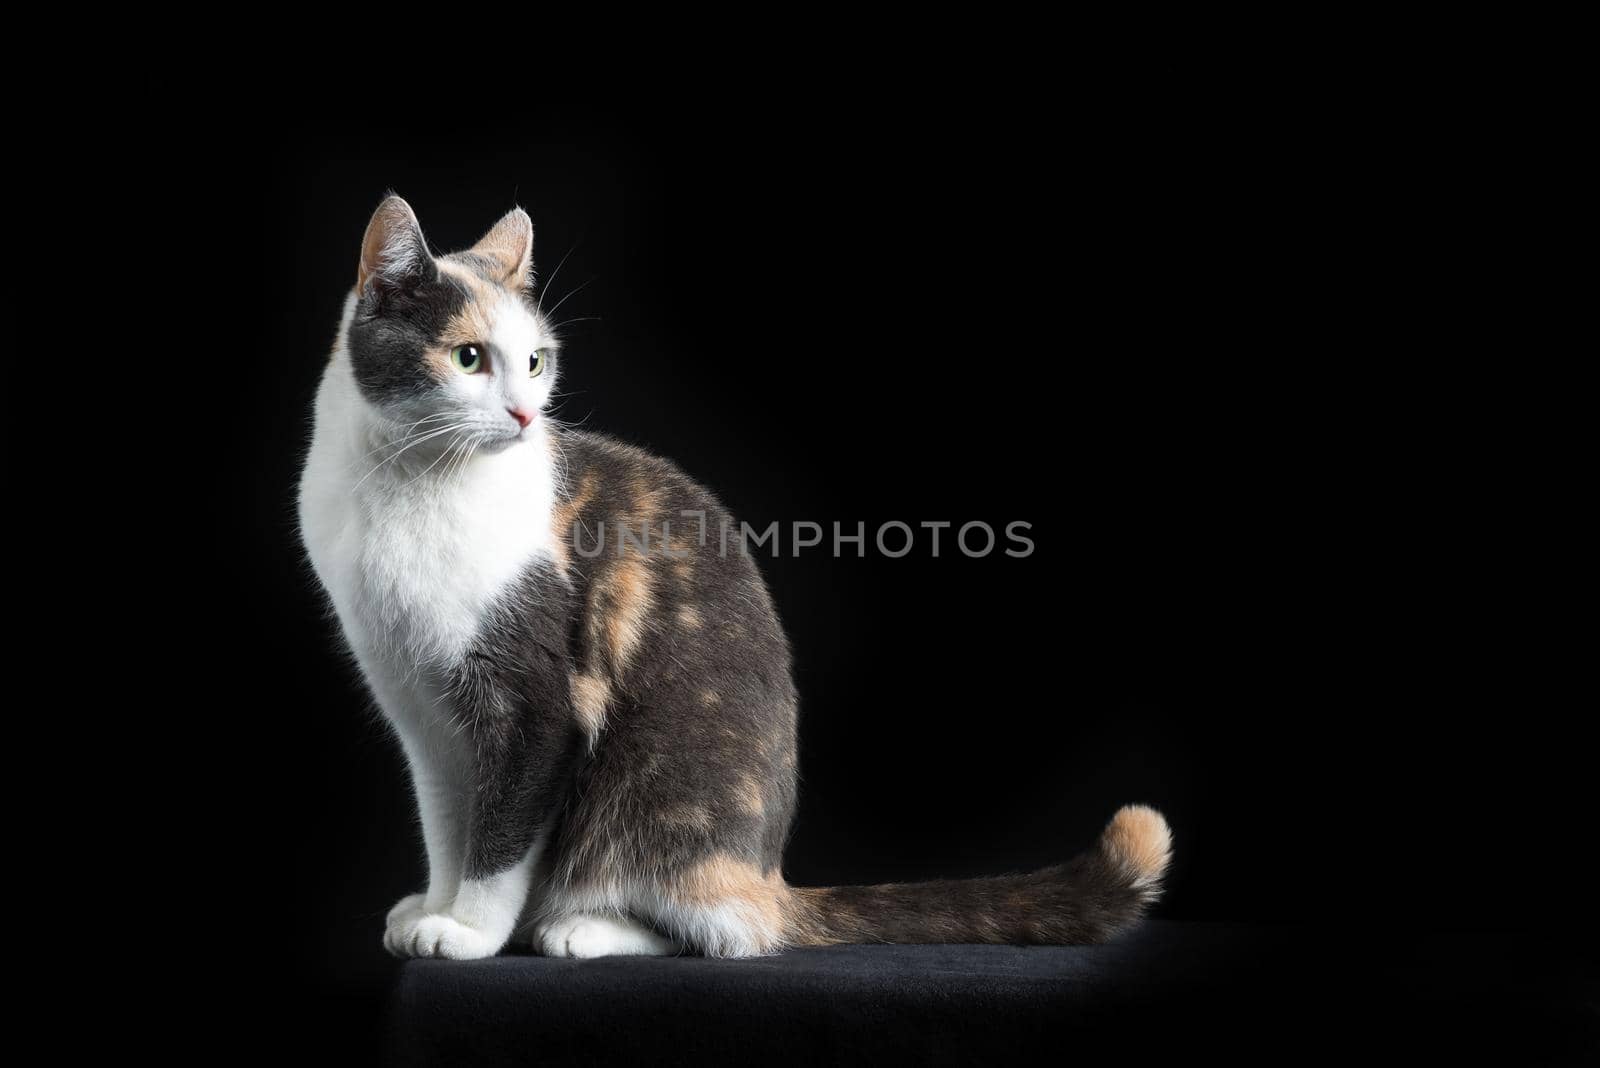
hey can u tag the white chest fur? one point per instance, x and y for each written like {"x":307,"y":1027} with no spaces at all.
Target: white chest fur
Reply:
{"x":412,"y":560}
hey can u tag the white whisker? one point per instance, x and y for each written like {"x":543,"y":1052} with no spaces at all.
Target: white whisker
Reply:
{"x":443,"y":453}
{"x":539,"y":307}
{"x":568,"y":297}
{"x":406,"y":434}
{"x":425,"y":437}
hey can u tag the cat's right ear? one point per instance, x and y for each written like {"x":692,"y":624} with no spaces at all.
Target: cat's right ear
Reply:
{"x":394,"y":254}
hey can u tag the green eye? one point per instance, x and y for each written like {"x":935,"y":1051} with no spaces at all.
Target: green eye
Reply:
{"x":536,"y":363}
{"x":467,"y":358}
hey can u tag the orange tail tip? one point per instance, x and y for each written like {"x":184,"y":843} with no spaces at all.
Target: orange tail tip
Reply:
{"x":1139,"y":843}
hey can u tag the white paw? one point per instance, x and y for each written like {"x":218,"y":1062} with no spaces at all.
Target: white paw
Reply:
{"x":447,"y":938}
{"x":585,"y":937}
{"x":401,"y":924}
{"x":406,"y":905}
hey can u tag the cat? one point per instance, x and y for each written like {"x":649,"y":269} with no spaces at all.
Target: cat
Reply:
{"x":602,"y":744}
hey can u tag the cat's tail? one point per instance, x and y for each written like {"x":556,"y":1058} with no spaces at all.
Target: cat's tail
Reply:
{"x":1088,"y":899}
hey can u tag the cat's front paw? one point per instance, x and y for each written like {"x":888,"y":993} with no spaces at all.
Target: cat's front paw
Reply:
{"x":401,"y":924}
{"x":447,"y":938}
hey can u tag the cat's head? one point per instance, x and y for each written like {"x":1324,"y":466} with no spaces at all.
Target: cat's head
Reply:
{"x":451,"y":341}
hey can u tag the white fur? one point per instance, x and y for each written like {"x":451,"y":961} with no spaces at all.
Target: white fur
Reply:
{"x":722,"y":930}
{"x":413,"y":542}
{"x":477,"y":923}
{"x":585,"y":936}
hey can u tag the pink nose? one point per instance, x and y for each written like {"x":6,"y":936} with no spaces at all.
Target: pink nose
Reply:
{"x":522,"y":417}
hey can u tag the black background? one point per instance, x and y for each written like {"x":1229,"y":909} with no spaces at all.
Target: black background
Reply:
{"x":1214,"y":360}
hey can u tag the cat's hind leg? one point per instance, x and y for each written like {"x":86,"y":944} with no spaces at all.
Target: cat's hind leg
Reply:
{"x":722,"y":906}
{"x":584,"y":935}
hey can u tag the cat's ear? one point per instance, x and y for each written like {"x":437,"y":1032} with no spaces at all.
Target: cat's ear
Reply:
{"x":509,"y":244}
{"x":394,"y":254}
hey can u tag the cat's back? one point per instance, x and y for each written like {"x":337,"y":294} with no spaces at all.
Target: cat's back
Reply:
{"x":600,"y":474}
{"x":647,"y":503}
{"x":661,"y":563}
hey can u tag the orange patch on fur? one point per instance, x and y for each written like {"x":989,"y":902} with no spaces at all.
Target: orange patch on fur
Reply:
{"x":640,"y":528}
{"x":689,"y":616}
{"x":646,"y":498}
{"x":474,"y":321}
{"x":748,"y":793}
{"x":1138,"y":841}
{"x":564,"y":518}
{"x":590,"y":695}
{"x":470,"y":325}
{"x":721,"y":880}
{"x":695,"y":817}
{"x":627,"y":588}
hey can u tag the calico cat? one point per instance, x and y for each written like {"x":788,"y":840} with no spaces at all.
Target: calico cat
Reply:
{"x":602,"y":744}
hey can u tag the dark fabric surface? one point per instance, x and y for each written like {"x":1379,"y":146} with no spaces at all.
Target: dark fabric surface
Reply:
{"x":1167,"y":989}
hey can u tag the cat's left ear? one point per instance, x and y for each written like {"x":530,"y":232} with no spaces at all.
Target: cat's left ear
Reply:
{"x":509,"y":243}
